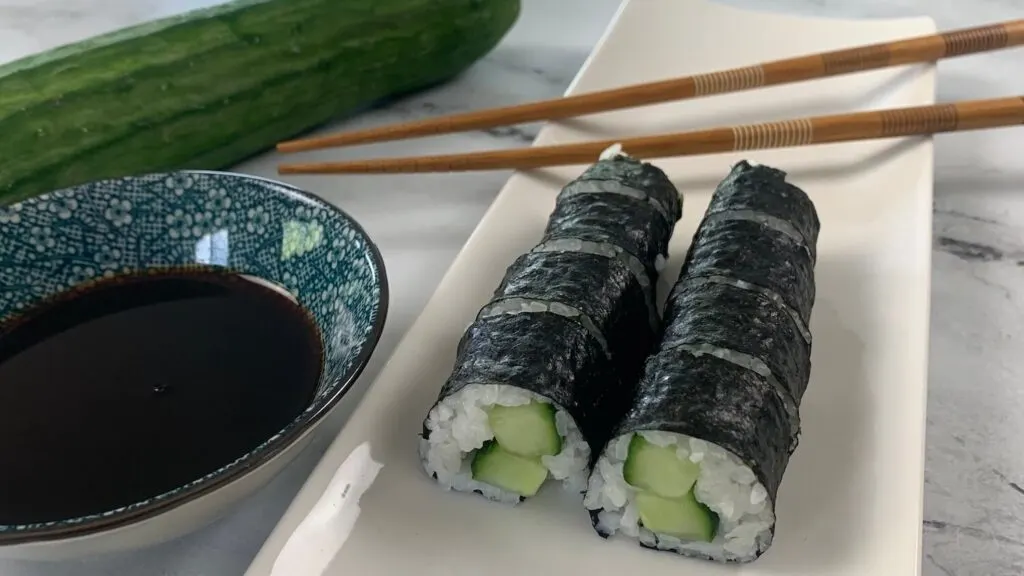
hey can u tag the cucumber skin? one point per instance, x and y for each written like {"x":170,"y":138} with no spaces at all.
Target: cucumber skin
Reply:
{"x":207,"y":89}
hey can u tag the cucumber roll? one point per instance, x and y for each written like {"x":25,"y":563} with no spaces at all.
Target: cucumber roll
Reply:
{"x":695,"y":465}
{"x":551,"y":362}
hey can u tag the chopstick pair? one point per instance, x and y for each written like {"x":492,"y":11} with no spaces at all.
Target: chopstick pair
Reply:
{"x":920,"y":120}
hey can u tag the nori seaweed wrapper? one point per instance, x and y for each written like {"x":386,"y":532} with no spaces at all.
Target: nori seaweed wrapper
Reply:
{"x":587,"y":365}
{"x":751,"y":252}
{"x":640,"y":226}
{"x":709,"y":398}
{"x":547,"y":354}
{"x":762,"y":231}
{"x":764,"y":189}
{"x":647,"y":178}
{"x":743,"y":321}
{"x":614,"y":219}
{"x":603,"y":289}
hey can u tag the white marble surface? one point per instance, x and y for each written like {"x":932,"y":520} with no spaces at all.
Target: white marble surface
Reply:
{"x":974,"y":506}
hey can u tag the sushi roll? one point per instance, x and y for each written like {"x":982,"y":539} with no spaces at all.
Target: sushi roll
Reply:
{"x":550,"y":363}
{"x":695,"y":465}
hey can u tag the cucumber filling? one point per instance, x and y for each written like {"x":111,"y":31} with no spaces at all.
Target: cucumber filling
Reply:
{"x":658,"y":469}
{"x":684,"y":517}
{"x":665,"y":499}
{"x":644,"y":486}
{"x":522,"y":434}
{"x":527,"y":429}
{"x":499,"y":467}
{"x":503,"y":442}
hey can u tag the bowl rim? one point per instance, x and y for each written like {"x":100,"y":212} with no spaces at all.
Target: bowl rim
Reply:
{"x":78,"y":527}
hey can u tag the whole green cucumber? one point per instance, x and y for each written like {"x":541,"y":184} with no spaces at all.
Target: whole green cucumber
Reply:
{"x":211,"y":87}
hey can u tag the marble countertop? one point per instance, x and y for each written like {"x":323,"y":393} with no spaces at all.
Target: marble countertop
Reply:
{"x":974,"y":481}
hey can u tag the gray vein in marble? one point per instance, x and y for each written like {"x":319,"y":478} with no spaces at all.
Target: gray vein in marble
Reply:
{"x":522,"y":135}
{"x":971,"y":251}
{"x":552,"y":69}
{"x":935,"y":563}
{"x":958,"y":214}
{"x":1013,"y":485}
{"x":941,"y":526}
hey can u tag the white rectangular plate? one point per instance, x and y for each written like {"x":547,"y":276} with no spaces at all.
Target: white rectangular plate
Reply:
{"x":850,"y":503}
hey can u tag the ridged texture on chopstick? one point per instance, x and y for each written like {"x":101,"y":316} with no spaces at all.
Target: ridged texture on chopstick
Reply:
{"x":695,"y":465}
{"x":550,"y":363}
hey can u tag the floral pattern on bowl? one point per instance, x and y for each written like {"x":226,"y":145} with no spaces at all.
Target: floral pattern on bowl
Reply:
{"x":64,"y":240}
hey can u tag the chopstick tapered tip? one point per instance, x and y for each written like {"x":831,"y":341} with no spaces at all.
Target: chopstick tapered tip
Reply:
{"x":329,"y":168}
{"x":321,"y":142}
{"x":292,"y":146}
{"x":367,"y":136}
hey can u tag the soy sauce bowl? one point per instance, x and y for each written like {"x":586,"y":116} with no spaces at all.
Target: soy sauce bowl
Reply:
{"x":55,"y":246}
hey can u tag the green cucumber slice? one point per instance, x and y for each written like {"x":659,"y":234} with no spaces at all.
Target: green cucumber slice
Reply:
{"x":685,"y":518}
{"x":498,"y":467}
{"x":527,"y":429}
{"x":658,"y":469}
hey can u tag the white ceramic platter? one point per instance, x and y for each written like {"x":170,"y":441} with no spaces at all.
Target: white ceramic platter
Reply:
{"x":850,"y":503}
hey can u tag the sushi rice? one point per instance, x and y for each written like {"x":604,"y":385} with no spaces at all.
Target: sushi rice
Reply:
{"x":725,"y":485}
{"x":459,"y":426}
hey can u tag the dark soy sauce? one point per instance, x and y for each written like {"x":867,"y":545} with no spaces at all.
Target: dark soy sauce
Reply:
{"x":138,"y":385}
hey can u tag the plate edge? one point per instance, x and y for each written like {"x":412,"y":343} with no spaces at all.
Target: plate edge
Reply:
{"x":929,"y":22}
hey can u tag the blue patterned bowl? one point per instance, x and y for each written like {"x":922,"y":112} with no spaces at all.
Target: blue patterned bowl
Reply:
{"x":67,"y":239}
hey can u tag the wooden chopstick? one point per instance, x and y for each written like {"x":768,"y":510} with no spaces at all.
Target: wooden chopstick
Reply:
{"x":891,"y":123}
{"x":909,"y":51}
